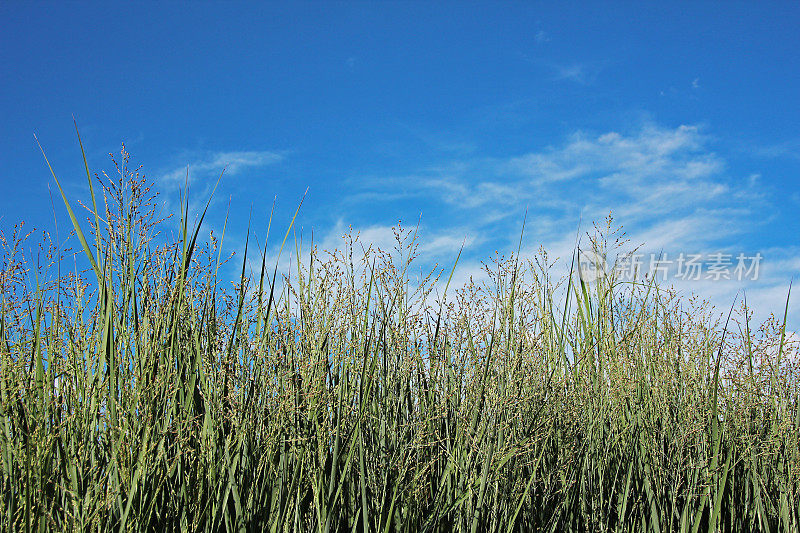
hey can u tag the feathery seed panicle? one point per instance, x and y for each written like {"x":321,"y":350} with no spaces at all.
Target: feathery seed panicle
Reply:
{"x":142,"y":393}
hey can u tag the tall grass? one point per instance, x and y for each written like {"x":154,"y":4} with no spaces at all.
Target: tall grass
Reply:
{"x":142,"y":394}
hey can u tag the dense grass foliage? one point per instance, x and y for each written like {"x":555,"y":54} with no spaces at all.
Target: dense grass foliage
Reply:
{"x":145,"y":393}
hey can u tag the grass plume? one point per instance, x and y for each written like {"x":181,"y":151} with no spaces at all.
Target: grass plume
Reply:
{"x":139,"y":394}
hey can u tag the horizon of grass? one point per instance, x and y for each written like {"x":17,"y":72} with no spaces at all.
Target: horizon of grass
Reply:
{"x":141,"y":395}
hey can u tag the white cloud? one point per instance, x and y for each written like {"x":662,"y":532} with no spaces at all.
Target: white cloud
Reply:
{"x":576,"y":73}
{"x":211,"y":165}
{"x":788,"y":149}
{"x":667,"y":186}
{"x":437,"y":245}
{"x":581,"y":73}
{"x":653,"y":173}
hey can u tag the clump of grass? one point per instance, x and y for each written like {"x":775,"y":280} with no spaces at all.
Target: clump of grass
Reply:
{"x":140,"y":394}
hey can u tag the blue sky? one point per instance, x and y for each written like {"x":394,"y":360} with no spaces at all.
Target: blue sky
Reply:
{"x":681,"y":119}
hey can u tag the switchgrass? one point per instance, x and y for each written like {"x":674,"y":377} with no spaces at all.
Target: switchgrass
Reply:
{"x":352,"y":395}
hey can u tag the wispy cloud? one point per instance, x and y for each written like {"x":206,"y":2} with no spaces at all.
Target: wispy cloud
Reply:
{"x":667,"y":186}
{"x":789,"y":149}
{"x":650,"y":172}
{"x":209,"y":166}
{"x":432,"y":244}
{"x":576,"y":73}
{"x":582,"y":73}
